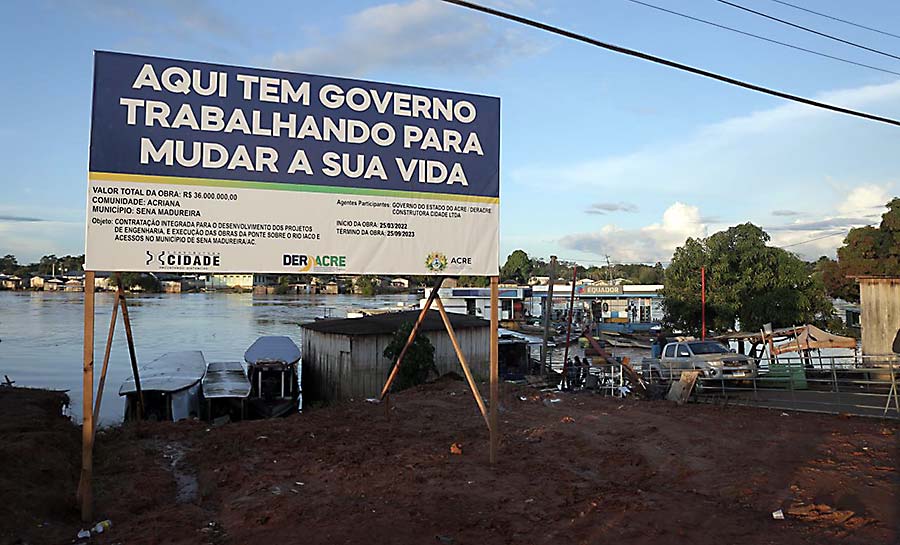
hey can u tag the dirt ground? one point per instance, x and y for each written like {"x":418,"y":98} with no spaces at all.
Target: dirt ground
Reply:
{"x":585,"y":469}
{"x":40,"y":459}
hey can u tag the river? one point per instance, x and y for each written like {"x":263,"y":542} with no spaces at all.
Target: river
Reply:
{"x":41,"y":332}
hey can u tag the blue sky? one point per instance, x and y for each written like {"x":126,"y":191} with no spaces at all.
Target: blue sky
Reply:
{"x":601,"y":154}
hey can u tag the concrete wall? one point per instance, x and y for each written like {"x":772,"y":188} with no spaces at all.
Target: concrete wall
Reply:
{"x":341,"y":367}
{"x":880,"y":316}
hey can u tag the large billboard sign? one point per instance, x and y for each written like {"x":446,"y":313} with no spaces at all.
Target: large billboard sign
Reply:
{"x":204,"y":167}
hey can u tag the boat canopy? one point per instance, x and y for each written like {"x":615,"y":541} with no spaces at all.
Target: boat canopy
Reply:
{"x":170,"y":372}
{"x":810,"y":337}
{"x":225,"y":379}
{"x":273,"y":349}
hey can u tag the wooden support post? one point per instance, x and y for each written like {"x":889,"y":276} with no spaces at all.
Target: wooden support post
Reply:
{"x":462,"y":360}
{"x":120,"y":293}
{"x":548,"y":311}
{"x":109,"y":340}
{"x":412,"y":336}
{"x":703,"y":303}
{"x":565,"y":376}
{"x":87,"y":425}
{"x":495,"y":369}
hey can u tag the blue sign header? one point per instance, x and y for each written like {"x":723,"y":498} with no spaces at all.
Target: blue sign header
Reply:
{"x":155,"y":117}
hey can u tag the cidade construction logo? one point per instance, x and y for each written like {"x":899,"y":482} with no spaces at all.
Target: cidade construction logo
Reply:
{"x":182,"y":260}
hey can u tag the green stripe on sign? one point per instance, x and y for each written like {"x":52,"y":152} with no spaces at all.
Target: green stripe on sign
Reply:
{"x":241,"y":184}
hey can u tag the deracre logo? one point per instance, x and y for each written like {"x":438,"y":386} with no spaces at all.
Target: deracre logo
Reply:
{"x":305,"y":262}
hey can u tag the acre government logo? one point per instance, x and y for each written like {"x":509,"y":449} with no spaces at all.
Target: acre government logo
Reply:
{"x":436,"y":262}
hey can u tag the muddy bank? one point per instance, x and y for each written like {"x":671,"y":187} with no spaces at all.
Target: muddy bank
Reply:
{"x":40,"y":460}
{"x":584,"y":470}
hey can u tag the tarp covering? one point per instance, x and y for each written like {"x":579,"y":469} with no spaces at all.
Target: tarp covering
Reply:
{"x":170,"y":372}
{"x":810,"y":337}
{"x":274,"y":349}
{"x":225,"y":379}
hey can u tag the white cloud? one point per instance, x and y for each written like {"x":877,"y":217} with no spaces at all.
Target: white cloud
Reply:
{"x":30,"y":232}
{"x":160,"y":23}
{"x":865,"y":200}
{"x":822,"y":173}
{"x":654,"y":242}
{"x":735,"y":152}
{"x":420,"y":34}
{"x":853,"y":207}
{"x":608,"y":207}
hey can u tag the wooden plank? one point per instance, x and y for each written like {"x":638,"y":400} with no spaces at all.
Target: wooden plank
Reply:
{"x":134,"y":366}
{"x":87,"y":426}
{"x":495,"y":370}
{"x":109,"y":340}
{"x":680,"y":390}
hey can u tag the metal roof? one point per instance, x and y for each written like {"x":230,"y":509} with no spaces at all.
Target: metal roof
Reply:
{"x":170,"y":372}
{"x":225,"y":379}
{"x":273,"y":349}
{"x":387,"y":324}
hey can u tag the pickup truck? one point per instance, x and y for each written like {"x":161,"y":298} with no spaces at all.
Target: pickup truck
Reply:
{"x":714,"y":361}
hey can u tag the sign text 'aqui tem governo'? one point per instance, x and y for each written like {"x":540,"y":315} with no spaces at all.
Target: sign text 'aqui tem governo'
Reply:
{"x":202,"y":167}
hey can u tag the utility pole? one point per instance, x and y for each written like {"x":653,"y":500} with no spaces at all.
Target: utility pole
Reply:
{"x":703,"y":303}
{"x":608,"y":270}
{"x":547,"y":310}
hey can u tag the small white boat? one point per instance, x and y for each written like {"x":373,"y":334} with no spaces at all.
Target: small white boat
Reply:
{"x":170,"y":385}
{"x":225,"y":387}
{"x":274,"y":374}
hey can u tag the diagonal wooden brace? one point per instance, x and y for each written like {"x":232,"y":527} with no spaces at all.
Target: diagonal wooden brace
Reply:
{"x":462,"y":361}
{"x":109,"y":340}
{"x":412,"y":336}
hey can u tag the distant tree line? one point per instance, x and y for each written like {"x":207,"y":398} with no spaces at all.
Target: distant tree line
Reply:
{"x":519,"y":267}
{"x":65,"y":264}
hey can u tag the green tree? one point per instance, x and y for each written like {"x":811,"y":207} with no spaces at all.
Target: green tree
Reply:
{"x":48,"y":264}
{"x":366,"y":286}
{"x":146,"y":282}
{"x":517,"y":268}
{"x":747,"y":282}
{"x":474,"y":281}
{"x":418,"y":362}
{"x":8,"y":264}
{"x":866,"y":251}
{"x":837,"y":283}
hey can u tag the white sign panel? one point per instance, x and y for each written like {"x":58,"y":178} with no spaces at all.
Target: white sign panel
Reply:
{"x":201,"y":167}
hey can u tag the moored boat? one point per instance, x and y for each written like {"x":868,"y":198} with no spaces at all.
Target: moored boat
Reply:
{"x":225,"y":388}
{"x":170,"y":385}
{"x":273,"y":371}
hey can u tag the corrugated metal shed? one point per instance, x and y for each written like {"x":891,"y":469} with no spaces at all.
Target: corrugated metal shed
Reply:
{"x":880,"y":316}
{"x":343,"y":359}
{"x":387,"y":323}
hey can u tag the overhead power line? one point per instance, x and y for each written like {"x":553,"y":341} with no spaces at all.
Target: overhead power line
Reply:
{"x":807,"y":29}
{"x":833,"y":18}
{"x":813,"y":239}
{"x":763,"y":38}
{"x":671,"y":64}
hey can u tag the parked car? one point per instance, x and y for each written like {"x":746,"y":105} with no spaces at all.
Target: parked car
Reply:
{"x":714,"y":360}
